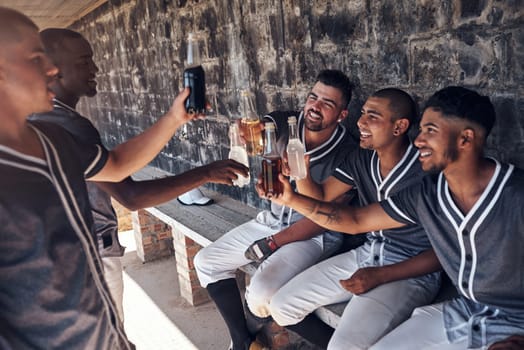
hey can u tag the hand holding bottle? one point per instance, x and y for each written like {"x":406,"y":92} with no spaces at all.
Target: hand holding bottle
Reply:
{"x":238,"y":153}
{"x":284,"y":198}
{"x":177,"y":112}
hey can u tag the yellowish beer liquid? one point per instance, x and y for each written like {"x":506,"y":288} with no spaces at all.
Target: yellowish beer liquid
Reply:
{"x":253,"y":136}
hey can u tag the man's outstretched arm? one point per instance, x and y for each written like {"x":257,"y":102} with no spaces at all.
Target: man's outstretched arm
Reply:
{"x":333,"y":216}
{"x":134,"y":154}
{"x":142,"y":194}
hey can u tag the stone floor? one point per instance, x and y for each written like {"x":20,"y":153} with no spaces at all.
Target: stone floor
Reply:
{"x":156,"y":316}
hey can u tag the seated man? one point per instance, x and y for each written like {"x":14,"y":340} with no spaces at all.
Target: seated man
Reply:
{"x":472,"y":210}
{"x":397,"y":282}
{"x":326,"y":140}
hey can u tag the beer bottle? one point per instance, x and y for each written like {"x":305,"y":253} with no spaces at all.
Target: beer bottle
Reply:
{"x":238,"y":152}
{"x":295,"y":151}
{"x":194,"y":78}
{"x":271,"y":162}
{"x":250,"y":125}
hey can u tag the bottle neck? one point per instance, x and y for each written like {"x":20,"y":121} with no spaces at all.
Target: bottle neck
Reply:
{"x":270,"y":146}
{"x":293,"y":131}
{"x":234,"y":136}
{"x":193,"y":54}
{"x":248,"y":109}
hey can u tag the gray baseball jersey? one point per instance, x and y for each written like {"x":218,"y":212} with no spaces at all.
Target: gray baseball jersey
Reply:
{"x":104,"y":216}
{"x":482,"y":251}
{"x":52,"y":291}
{"x":361,"y":168}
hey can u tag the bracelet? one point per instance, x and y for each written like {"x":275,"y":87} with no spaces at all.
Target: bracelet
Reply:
{"x":271,"y":243}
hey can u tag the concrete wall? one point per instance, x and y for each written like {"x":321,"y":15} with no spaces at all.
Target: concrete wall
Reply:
{"x":276,"y":47}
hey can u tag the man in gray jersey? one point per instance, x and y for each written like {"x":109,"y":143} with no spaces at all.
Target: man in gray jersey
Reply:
{"x":326,"y":141}
{"x":385,"y":163}
{"x":52,"y":291}
{"x":472,"y":208}
{"x":73,"y":56}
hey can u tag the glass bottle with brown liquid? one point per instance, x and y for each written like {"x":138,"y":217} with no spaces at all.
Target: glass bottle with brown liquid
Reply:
{"x":271,"y":162}
{"x":250,"y":125}
{"x":194,"y":78}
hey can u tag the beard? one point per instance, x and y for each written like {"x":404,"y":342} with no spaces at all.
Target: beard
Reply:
{"x":450,"y":155}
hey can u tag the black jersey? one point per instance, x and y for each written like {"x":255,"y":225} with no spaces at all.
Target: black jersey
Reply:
{"x":52,"y":291}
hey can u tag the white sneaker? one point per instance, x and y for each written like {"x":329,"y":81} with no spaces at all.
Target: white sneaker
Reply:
{"x":194,"y":197}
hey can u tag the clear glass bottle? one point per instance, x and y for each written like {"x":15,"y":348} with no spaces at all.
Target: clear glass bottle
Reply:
{"x":238,"y":152}
{"x":295,"y":151}
{"x":271,"y":162}
{"x":194,"y":78}
{"x":250,"y":125}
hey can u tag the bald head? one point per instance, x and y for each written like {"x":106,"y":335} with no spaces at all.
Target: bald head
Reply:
{"x":12,"y":25}
{"x":56,"y":41}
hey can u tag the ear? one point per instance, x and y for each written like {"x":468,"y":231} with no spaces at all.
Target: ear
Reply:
{"x":343,"y":115}
{"x":467,"y":138}
{"x":401,"y":126}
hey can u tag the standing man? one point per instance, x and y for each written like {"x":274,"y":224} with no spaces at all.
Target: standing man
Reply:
{"x":395,"y":266}
{"x":73,"y":56}
{"x":472,"y":208}
{"x":52,"y":291}
{"x":326,"y":141}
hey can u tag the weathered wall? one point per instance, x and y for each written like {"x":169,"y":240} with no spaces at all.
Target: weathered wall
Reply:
{"x":276,"y":47}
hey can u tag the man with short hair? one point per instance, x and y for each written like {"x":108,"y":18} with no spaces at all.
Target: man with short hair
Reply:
{"x":326,"y":141}
{"x":52,"y":291}
{"x":73,"y":56}
{"x":472,"y":209}
{"x":392,"y":273}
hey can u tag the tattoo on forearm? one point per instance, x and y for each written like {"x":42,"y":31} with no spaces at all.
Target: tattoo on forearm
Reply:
{"x":331,"y":215}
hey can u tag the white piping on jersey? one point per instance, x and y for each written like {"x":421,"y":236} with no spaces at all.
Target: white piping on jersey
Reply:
{"x":442,"y":185}
{"x":25,"y":167}
{"x":404,"y":171}
{"x":60,"y":104}
{"x":335,"y":143}
{"x":343,"y":173}
{"x":22,"y":155}
{"x":398,"y":211}
{"x":82,"y":233}
{"x":386,"y":184}
{"x":95,"y":161}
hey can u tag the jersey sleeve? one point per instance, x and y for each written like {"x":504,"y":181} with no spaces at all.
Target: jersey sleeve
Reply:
{"x":92,"y":157}
{"x":402,"y":206}
{"x":345,"y":170}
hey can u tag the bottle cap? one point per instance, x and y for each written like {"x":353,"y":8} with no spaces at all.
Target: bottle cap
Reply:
{"x":292,"y":120}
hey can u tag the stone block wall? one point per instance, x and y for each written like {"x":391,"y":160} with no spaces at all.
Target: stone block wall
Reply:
{"x":276,"y":48}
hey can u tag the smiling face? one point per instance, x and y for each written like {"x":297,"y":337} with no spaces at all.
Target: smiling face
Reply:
{"x":324,"y":108}
{"x":437,"y":141}
{"x":77,"y":68}
{"x":25,"y":72}
{"x":376,"y":124}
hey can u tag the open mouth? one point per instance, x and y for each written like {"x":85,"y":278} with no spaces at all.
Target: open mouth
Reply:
{"x":424,"y":154}
{"x":364,"y":134}
{"x":312,"y":115}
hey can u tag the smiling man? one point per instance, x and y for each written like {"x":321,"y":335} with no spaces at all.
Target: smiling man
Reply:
{"x":52,"y":290}
{"x":326,"y":141}
{"x":472,"y":208}
{"x":73,"y":56}
{"x":393,"y":271}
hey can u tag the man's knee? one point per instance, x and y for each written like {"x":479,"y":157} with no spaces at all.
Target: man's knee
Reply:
{"x":282,"y":311}
{"x":258,"y":295}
